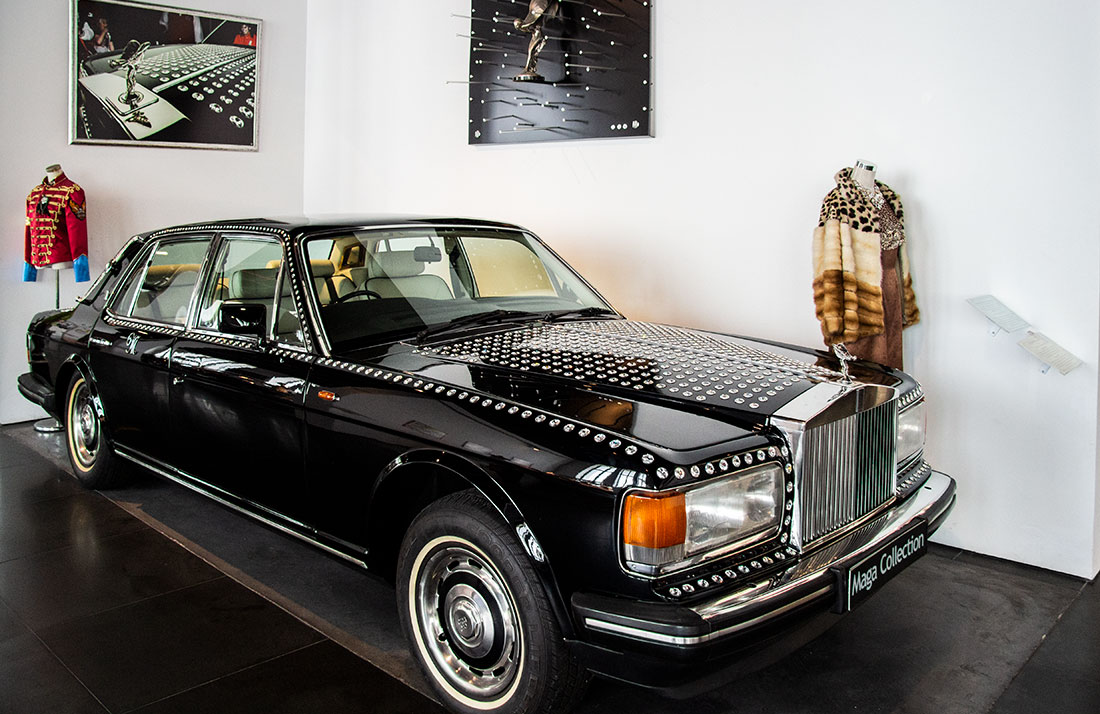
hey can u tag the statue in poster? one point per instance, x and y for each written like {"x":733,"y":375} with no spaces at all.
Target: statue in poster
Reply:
{"x":537,"y":13}
{"x":130,"y":57}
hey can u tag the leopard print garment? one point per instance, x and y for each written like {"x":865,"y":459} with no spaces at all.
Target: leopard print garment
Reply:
{"x":848,"y":275}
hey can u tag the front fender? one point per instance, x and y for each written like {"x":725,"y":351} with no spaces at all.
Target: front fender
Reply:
{"x":414,"y":480}
{"x":460,"y":467}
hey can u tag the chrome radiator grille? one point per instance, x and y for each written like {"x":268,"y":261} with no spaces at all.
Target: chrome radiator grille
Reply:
{"x":848,"y":469}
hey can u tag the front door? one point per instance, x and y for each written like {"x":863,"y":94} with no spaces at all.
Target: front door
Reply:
{"x":237,"y":399}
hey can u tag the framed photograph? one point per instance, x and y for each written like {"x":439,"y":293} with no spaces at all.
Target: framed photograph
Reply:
{"x":557,"y":70}
{"x":150,"y":75}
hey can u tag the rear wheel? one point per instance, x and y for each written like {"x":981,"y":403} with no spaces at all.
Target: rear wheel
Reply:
{"x":477,"y":617}
{"x":92,"y":458}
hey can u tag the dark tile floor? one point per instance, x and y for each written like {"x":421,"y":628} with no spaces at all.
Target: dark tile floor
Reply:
{"x":99,"y":612}
{"x":157,"y":600}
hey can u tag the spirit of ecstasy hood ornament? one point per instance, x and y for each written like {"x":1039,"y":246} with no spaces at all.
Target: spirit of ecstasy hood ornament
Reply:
{"x":845,"y":357}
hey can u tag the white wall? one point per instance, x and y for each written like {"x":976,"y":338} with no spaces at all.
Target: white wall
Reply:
{"x":981,"y":114}
{"x":131,"y":189}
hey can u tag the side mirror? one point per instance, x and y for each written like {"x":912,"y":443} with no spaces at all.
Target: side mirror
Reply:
{"x":245,"y":319}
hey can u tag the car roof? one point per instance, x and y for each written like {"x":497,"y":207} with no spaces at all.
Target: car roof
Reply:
{"x":323,"y":222}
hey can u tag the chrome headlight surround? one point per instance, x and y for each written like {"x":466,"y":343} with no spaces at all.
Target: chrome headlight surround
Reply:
{"x":912,"y":421}
{"x":667,"y":531}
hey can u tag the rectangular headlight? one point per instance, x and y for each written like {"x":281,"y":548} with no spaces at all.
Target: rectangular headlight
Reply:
{"x":911,"y":423}
{"x":664,"y":529}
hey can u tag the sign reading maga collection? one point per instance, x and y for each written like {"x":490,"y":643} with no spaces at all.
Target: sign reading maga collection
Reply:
{"x":871,"y":572}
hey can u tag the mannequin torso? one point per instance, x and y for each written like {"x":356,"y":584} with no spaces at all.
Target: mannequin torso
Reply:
{"x":863,"y":173}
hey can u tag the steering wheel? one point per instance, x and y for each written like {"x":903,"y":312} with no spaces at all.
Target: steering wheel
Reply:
{"x":356,"y":293}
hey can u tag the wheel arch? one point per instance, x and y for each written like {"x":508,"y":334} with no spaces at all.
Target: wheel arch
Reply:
{"x":415,"y":480}
{"x":72,"y":366}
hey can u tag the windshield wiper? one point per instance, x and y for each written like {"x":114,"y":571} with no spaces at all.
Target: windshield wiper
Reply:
{"x":580,"y":312}
{"x":477,"y":318}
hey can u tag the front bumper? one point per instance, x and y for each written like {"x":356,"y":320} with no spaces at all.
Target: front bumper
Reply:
{"x":679,"y":642}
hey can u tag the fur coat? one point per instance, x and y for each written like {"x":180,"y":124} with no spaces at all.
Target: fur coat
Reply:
{"x":848,"y":264}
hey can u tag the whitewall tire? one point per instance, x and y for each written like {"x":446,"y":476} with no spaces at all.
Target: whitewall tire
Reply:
{"x":476,"y":615}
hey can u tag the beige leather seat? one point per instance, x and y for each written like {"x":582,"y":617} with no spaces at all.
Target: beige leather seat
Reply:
{"x":330,"y":285}
{"x":257,"y":287}
{"x":397,"y":273}
{"x":166,"y":293}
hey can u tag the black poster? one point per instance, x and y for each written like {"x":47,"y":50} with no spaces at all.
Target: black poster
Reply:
{"x":552,"y":71}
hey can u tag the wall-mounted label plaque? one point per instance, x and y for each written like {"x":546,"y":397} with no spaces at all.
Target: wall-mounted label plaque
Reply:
{"x":1050,"y":352}
{"x":998,"y":313}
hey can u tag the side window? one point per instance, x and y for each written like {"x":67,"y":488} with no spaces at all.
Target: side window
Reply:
{"x":125,"y":295}
{"x":160,"y":289}
{"x":247,"y":270}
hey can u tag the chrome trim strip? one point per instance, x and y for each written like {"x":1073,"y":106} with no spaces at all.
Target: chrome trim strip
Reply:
{"x":639,"y":634}
{"x":206,"y":269}
{"x":829,"y":401}
{"x":207,"y":227}
{"x":297,"y":251}
{"x":97,"y":284}
{"x":141,"y":324}
{"x":929,"y":503}
{"x":243,"y":342}
{"x":211,"y":491}
{"x":109,"y":295}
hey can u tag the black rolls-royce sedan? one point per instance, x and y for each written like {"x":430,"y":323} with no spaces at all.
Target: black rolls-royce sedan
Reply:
{"x":555,"y":490}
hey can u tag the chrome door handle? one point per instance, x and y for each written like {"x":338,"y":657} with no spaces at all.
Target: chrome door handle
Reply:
{"x":177,"y":380}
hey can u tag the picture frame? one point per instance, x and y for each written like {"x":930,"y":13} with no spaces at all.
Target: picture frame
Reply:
{"x":154,"y":75}
{"x":554,"y":70}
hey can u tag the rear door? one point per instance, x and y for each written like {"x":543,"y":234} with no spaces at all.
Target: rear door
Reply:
{"x":131,"y":346}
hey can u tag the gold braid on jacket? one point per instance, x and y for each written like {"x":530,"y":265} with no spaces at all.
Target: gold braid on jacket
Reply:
{"x":848,"y":265}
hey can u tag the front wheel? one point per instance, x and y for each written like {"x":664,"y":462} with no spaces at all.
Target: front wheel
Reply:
{"x":476,"y":616}
{"x":91,"y":456}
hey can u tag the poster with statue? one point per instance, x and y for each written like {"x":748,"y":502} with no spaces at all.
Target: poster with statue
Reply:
{"x":151,"y":75}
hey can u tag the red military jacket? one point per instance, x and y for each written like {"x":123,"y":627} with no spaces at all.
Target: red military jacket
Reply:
{"x":57,"y":231}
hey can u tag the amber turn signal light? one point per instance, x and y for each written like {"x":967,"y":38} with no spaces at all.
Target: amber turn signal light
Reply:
{"x":654,"y":520}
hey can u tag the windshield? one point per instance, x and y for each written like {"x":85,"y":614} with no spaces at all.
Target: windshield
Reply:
{"x":381,"y":285}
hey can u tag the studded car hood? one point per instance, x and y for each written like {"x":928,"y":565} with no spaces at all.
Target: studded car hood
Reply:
{"x":673,"y":363}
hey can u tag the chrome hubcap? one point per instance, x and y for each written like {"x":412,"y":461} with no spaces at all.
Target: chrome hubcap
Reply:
{"x":470,"y":620}
{"x":467,"y":620}
{"x":87,"y":423}
{"x":83,"y":427}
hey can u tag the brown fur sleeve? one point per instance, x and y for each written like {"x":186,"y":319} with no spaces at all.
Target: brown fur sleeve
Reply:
{"x":829,"y":293}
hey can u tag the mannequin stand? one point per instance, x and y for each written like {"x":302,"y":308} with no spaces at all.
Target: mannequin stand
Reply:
{"x":50,"y":425}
